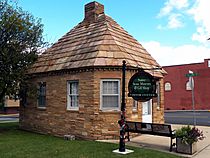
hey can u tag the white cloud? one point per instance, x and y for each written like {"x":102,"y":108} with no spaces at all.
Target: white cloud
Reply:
{"x":177,"y":10}
{"x":185,"y":54}
{"x":200,"y":12}
{"x":179,"y":4}
{"x":174,"y":21}
{"x":171,"y":10}
{"x":200,"y":35}
{"x":165,"y":10}
{"x":170,"y":5}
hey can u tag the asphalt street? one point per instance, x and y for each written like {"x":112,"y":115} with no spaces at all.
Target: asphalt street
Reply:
{"x":186,"y":117}
{"x":171,"y":117}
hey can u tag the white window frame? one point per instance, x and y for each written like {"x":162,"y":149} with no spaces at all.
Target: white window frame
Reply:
{"x":70,"y":107}
{"x":167,"y":86}
{"x":101,"y":95}
{"x":208,"y":63}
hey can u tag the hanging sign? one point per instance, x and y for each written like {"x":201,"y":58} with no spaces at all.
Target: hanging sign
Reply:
{"x":142,"y":86}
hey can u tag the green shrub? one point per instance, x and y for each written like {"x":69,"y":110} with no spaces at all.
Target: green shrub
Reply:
{"x":189,"y":135}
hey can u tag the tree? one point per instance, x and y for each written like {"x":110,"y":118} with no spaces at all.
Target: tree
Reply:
{"x":20,"y":42}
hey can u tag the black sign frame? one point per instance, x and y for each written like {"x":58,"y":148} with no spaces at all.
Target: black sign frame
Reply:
{"x":142,"y":86}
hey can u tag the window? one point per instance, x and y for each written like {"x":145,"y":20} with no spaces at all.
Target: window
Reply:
{"x":72,"y":95}
{"x":167,"y":86}
{"x":42,"y":95}
{"x":188,"y":87}
{"x":208,"y":63}
{"x":110,"y":94}
{"x":158,"y":94}
{"x":135,"y":105}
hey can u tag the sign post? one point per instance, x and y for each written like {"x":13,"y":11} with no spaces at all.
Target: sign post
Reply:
{"x":122,"y":121}
{"x":191,"y":83}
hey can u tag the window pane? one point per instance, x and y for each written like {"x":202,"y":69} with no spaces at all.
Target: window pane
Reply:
{"x":105,"y":87}
{"x":42,"y":101}
{"x":74,"y":101}
{"x":110,"y":94}
{"x":42,"y":90}
{"x":42,"y":95}
{"x":110,"y":101}
{"x":115,"y":87}
{"x":110,"y":87}
{"x":73,"y":87}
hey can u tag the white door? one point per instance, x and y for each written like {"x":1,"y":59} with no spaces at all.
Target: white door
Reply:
{"x":147,"y":111}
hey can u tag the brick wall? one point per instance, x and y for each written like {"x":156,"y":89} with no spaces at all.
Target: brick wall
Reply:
{"x":178,"y":98}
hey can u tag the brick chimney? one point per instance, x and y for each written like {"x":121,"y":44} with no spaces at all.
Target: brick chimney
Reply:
{"x":92,"y":11}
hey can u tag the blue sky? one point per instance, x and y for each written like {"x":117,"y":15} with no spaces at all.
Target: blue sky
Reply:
{"x":173,"y":31}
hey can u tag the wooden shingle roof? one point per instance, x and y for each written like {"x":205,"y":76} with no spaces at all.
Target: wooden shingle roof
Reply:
{"x":97,"y":41}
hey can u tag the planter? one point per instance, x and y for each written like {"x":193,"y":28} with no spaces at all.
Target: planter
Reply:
{"x":185,"y":148}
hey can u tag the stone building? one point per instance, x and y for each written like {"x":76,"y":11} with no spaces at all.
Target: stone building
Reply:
{"x":79,"y":81}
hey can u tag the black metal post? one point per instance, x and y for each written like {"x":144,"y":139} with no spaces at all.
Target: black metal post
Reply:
{"x":122,"y":121}
{"x":123,"y":86}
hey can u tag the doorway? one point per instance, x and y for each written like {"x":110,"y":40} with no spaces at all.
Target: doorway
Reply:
{"x":147,"y":111}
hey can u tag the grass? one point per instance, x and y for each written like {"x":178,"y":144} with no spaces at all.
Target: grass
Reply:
{"x":15,"y":143}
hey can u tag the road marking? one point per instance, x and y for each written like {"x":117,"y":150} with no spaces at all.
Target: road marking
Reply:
{"x":188,"y":116}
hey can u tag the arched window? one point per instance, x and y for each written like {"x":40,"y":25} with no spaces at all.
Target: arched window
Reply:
{"x":188,"y":87}
{"x":167,"y":86}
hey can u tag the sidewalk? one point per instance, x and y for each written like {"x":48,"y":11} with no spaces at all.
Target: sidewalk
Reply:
{"x":4,"y":118}
{"x":163,"y":143}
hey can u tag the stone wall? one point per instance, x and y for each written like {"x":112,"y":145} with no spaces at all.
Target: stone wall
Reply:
{"x":56,"y":119}
{"x":89,"y":122}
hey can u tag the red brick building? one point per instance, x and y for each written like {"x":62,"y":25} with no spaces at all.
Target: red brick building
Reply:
{"x":178,"y":94}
